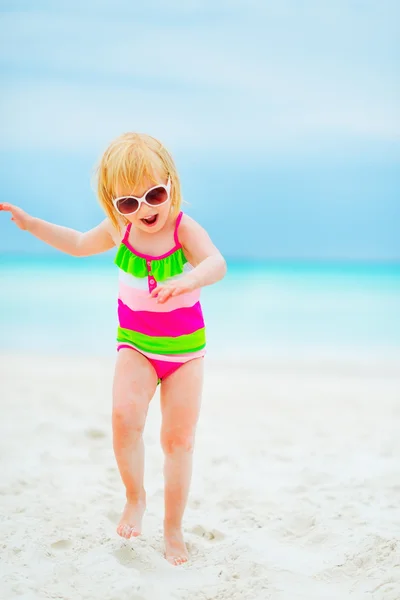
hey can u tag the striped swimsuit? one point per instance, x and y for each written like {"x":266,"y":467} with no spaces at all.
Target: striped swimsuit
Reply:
{"x":168,"y":334}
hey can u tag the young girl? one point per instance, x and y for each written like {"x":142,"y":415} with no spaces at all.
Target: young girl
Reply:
{"x":164,"y":258}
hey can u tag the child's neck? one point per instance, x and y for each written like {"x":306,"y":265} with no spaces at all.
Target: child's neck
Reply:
{"x":153,"y":244}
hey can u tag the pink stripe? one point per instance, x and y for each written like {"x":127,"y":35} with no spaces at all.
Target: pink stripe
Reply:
{"x":180,"y":321}
{"x":182,"y":358}
{"x":141,"y":300}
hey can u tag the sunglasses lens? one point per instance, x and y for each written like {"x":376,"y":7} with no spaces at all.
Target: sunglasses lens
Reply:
{"x":157,"y":196}
{"x":127,"y":205}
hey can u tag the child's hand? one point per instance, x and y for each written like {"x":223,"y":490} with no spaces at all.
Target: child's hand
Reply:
{"x":174,"y":288}
{"x":19,"y":216}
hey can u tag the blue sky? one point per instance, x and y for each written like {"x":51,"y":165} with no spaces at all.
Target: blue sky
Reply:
{"x":283,"y":117}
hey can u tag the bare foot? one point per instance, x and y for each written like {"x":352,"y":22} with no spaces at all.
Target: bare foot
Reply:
{"x":175,"y":549}
{"x":130,"y":524}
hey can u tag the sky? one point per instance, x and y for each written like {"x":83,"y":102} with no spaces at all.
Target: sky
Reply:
{"x":283,"y":116}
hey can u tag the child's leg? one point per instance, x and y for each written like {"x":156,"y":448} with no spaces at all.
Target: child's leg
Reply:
{"x":180,"y":404}
{"x":135,"y":382}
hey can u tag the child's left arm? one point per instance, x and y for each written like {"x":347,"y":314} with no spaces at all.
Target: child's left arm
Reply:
{"x":209,"y":264}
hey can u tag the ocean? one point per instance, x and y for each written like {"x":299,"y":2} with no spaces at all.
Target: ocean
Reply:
{"x":64,"y":305}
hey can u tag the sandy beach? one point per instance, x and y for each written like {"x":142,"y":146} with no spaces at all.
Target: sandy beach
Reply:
{"x":295,"y":493}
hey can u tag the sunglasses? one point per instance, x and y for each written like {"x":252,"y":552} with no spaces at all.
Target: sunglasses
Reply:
{"x":155,"y":196}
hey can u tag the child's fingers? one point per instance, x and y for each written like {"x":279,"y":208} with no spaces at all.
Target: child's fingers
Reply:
{"x":178,"y":291}
{"x":163,"y":292}
{"x":155,"y":291}
{"x":161,"y":298}
{"x":164,"y":295}
{"x":160,"y":293}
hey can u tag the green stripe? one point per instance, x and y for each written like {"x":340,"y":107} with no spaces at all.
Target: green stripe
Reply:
{"x":182,"y":344}
{"x":161,"y":269}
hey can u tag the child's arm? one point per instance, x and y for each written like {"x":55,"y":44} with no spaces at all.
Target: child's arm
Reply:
{"x":209,"y":264}
{"x":99,"y":239}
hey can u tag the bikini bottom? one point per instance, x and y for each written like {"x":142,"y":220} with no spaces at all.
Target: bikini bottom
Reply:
{"x":163,"y":368}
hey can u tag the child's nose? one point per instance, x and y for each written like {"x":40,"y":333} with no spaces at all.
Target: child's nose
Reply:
{"x":143,"y":211}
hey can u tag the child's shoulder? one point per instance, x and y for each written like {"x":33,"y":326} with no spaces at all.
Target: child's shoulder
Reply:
{"x":189,"y":230}
{"x":188,"y":223}
{"x":116,"y":233}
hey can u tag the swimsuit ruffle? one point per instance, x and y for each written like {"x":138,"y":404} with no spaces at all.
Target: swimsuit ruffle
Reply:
{"x":161,"y":269}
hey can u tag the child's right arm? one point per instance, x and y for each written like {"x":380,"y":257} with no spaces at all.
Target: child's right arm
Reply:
{"x":99,"y":239}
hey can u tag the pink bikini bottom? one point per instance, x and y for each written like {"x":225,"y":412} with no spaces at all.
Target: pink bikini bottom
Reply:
{"x":163,"y":368}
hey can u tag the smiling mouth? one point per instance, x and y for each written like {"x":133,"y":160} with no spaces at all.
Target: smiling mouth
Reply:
{"x":150,"y":220}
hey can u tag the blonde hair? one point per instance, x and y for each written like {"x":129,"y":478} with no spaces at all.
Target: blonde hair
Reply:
{"x":128,"y":159}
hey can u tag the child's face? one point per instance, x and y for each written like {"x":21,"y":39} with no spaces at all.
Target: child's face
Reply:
{"x":148,"y":218}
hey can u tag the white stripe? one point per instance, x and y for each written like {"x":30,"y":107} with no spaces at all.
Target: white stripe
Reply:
{"x":137,"y":283}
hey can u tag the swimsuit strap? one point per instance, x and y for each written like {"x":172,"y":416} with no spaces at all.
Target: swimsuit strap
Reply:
{"x":127,"y":230}
{"x":178,"y":220}
{"x":125,"y":239}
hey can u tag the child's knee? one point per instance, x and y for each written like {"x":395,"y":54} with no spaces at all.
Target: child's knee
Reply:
{"x":128,"y":419}
{"x":177,"y":440}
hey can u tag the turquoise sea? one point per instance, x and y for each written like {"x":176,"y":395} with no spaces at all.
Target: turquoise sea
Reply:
{"x":65,"y":305}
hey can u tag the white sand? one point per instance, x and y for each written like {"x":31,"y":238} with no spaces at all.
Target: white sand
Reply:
{"x":295,"y":495}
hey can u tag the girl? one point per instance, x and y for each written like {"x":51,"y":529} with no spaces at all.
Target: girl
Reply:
{"x":164,"y":258}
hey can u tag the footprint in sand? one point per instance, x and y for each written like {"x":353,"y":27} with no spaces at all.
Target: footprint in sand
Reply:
{"x":114,"y":516}
{"x":195,"y":503}
{"x":299,"y":525}
{"x":127,"y":557}
{"x":95,"y":434}
{"x":124,"y":556}
{"x":208,"y":534}
{"x":61,"y":545}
